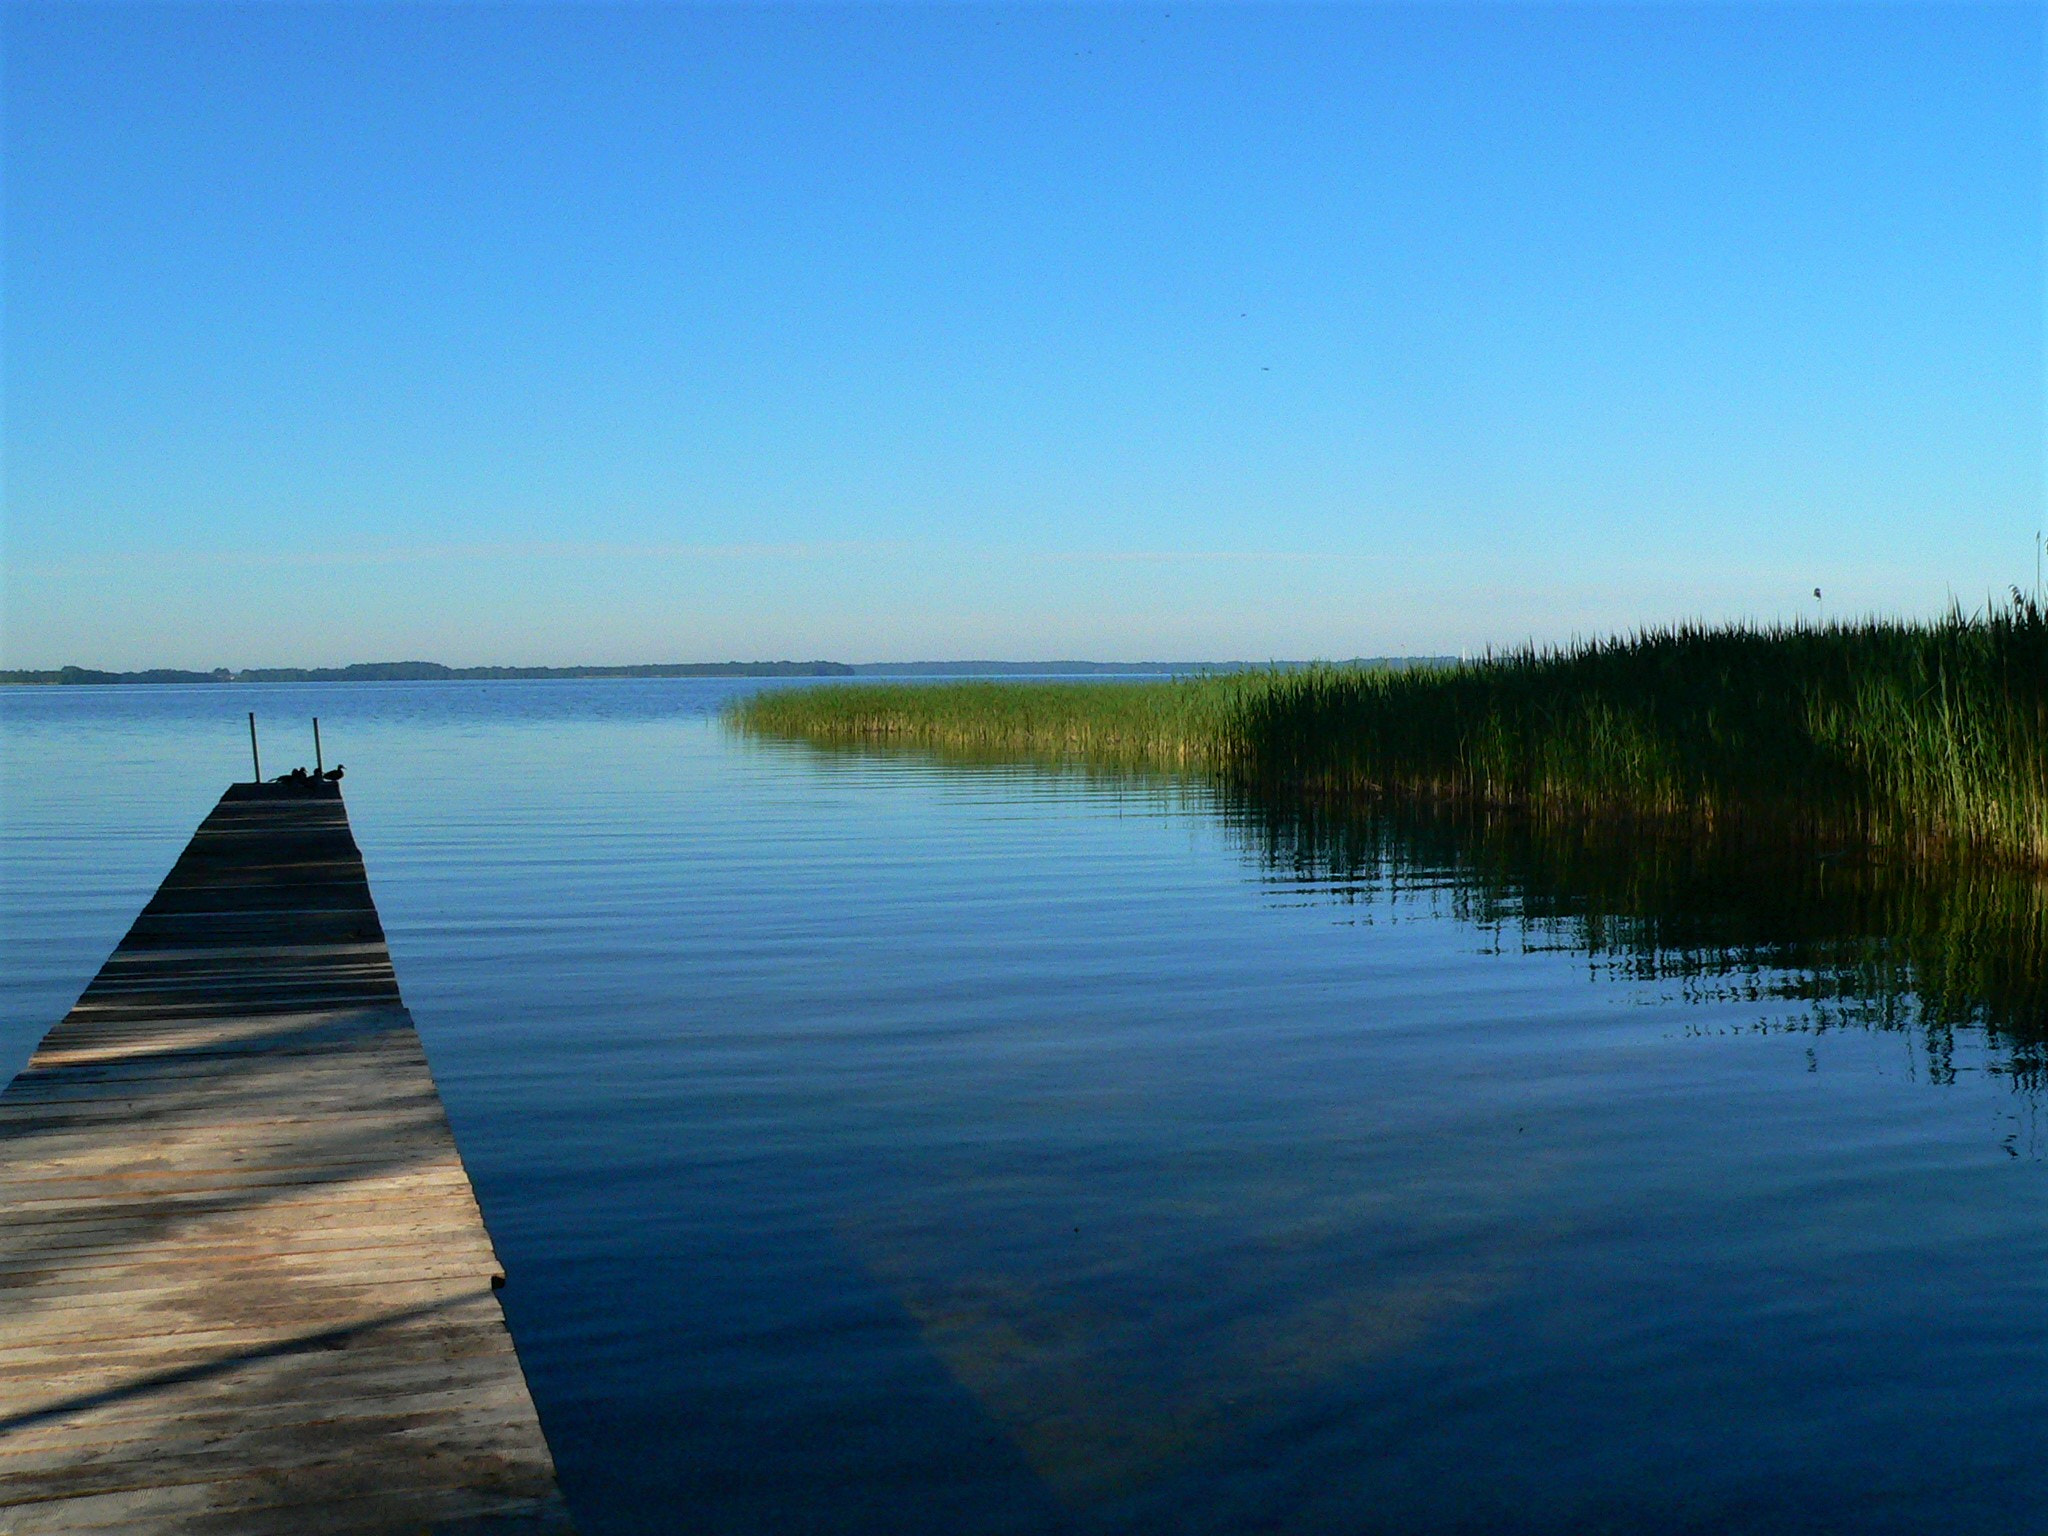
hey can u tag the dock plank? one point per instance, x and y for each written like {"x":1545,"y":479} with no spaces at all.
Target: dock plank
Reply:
{"x":244,"y":1282}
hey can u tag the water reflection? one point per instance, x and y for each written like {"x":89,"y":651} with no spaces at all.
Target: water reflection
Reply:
{"x":882,"y":1145}
{"x":1859,"y":941}
{"x":1930,"y":949}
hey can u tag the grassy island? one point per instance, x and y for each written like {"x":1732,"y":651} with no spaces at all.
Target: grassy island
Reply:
{"x":1923,"y":737}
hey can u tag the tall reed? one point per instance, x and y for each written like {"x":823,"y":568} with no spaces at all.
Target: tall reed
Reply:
{"x":1921,"y":736}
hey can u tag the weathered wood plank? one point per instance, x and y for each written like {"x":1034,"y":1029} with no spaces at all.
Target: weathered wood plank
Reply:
{"x":244,"y":1283}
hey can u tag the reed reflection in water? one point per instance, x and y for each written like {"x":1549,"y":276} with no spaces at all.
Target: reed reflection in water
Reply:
{"x":1864,"y":941}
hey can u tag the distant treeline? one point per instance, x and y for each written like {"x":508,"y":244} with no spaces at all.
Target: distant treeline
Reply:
{"x":1122,"y":668}
{"x":434,"y":671}
{"x":424,"y":672}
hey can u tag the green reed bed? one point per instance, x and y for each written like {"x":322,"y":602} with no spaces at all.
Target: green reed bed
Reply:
{"x":1921,"y":736}
{"x":1184,"y":723}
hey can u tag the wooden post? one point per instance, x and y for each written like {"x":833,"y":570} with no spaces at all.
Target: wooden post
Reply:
{"x":255,"y":762}
{"x":317,"y":764}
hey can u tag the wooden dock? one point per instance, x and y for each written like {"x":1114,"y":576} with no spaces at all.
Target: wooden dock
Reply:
{"x":244,"y":1284}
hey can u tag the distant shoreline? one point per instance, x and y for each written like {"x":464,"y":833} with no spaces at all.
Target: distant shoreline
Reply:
{"x":413,"y":672}
{"x":435,"y":672}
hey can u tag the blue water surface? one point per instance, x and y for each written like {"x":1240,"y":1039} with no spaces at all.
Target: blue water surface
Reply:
{"x":883,"y":1146}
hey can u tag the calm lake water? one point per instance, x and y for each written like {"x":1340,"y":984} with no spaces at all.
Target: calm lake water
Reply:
{"x":882,"y":1146}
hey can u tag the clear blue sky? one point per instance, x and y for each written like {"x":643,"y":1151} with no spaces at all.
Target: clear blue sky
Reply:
{"x":621,"y":333}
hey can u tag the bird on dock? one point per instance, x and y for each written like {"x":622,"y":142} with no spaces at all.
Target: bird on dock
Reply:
{"x":306,"y":778}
